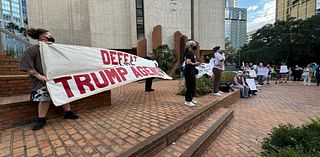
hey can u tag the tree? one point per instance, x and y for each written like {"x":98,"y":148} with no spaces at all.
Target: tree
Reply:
{"x":230,"y":53}
{"x":292,"y":42}
{"x":12,"y":27}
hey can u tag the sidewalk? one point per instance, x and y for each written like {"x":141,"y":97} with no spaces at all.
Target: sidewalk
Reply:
{"x":133,"y":116}
{"x":255,"y":117}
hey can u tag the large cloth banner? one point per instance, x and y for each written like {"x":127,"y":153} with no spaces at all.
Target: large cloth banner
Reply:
{"x":76,"y":72}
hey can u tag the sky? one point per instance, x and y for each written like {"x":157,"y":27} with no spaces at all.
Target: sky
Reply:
{"x":260,"y":12}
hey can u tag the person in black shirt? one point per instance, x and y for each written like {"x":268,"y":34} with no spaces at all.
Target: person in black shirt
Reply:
{"x":189,"y":72}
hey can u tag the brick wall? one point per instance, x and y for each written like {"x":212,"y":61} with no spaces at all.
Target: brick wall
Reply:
{"x":13,"y":85}
{"x":9,"y":65}
{"x":24,"y":112}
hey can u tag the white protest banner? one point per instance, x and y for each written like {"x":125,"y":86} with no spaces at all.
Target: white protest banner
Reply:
{"x":284,"y":69}
{"x":263,"y":71}
{"x":252,"y":73}
{"x":204,"y":68}
{"x":251,"y":84}
{"x":76,"y":72}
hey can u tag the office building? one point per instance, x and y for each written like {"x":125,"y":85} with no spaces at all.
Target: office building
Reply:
{"x":296,"y":9}
{"x":118,"y":24}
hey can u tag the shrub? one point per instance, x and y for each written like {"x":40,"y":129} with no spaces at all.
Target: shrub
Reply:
{"x":303,"y":139}
{"x":165,"y":57}
{"x":204,"y":85}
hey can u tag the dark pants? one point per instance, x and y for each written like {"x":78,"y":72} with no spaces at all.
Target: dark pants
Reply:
{"x":190,"y":81}
{"x":148,"y":85}
{"x":217,"y":78}
{"x":318,"y":80}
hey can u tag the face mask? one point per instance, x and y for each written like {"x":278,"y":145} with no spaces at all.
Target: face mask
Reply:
{"x":194,"y":48}
{"x":51,"y":40}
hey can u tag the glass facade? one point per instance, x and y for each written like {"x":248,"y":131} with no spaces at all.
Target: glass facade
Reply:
{"x":140,"y":19}
{"x":236,"y":26}
{"x":13,"y":11}
{"x":318,"y":7}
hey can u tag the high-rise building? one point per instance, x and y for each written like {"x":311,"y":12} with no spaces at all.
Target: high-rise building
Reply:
{"x":118,"y":24}
{"x":13,"y":16}
{"x":236,"y":26}
{"x":297,"y":9}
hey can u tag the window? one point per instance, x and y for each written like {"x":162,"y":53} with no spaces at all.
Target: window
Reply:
{"x":140,"y":19}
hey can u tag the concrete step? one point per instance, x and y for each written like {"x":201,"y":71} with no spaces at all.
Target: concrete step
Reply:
{"x":159,"y":142}
{"x":195,"y":141}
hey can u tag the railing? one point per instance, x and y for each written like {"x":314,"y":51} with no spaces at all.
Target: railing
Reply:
{"x":12,"y":44}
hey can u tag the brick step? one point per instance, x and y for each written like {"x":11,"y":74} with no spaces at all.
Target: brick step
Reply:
{"x":195,"y":141}
{"x":14,"y":85}
{"x":157,"y":143}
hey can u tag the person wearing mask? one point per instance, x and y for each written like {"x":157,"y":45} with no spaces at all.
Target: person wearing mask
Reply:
{"x":240,"y":83}
{"x":218,"y":68}
{"x":269,"y":73}
{"x":190,"y":72}
{"x":31,"y":63}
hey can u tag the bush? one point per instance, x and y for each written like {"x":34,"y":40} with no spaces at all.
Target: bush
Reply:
{"x":165,"y":57}
{"x":204,"y":85}
{"x":289,"y":139}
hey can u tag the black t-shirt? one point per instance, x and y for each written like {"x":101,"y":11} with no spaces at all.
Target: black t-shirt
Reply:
{"x":189,"y":68}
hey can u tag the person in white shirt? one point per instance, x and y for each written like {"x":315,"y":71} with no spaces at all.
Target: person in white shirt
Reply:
{"x":218,"y":68}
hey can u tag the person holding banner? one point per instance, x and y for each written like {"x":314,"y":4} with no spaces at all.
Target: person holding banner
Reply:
{"x":190,"y":72}
{"x":31,"y":63}
{"x":218,"y":68}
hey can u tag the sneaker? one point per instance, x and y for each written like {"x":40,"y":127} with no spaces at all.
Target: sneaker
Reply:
{"x":217,"y":94}
{"x":39,"y":124}
{"x":70,"y":115}
{"x":258,"y":85}
{"x":220,"y":92}
{"x":190,"y":104}
{"x":194,"y":101}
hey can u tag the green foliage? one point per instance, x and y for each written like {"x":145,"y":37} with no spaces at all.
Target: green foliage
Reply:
{"x":287,"y":139}
{"x":231,"y":53}
{"x":292,"y":42}
{"x":288,"y":153}
{"x":165,"y":57}
{"x":204,"y":85}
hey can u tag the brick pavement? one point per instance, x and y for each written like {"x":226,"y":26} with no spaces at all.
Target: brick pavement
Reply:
{"x":133,"y":117}
{"x":255,"y":117}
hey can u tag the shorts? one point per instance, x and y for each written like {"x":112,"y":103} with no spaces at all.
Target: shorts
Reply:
{"x":41,"y":94}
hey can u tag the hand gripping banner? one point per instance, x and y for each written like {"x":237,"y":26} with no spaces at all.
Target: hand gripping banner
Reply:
{"x":76,"y":72}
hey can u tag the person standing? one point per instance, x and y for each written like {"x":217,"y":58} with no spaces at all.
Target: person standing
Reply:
{"x":318,"y":75}
{"x":31,"y":63}
{"x":260,"y":77}
{"x":218,"y":68}
{"x":190,"y":72}
{"x":307,"y":74}
{"x":148,"y":84}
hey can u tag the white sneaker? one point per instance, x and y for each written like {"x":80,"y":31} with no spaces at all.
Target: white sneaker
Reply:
{"x":220,"y":92}
{"x":194,"y":101}
{"x":217,"y":94}
{"x":190,"y":104}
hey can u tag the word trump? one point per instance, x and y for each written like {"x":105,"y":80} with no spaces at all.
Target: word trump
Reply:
{"x":104,"y":79}
{"x":117,"y":57}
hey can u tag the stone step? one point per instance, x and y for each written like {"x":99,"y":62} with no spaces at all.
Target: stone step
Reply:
{"x":158,"y":142}
{"x":196,"y":140}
